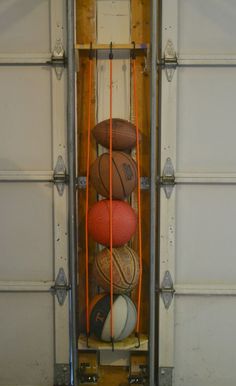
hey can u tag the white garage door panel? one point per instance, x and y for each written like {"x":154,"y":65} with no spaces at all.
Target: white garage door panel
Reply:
{"x":26,"y":223}
{"x":206,"y":134}
{"x":26,"y":122}
{"x":26,"y":333}
{"x":197,"y":220}
{"x":206,"y":27}
{"x":17,"y":17}
{"x":205,"y":234}
{"x":211,"y":349}
{"x":34,"y":324}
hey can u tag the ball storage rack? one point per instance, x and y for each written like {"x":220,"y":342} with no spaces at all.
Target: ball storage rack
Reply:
{"x":142,"y":347}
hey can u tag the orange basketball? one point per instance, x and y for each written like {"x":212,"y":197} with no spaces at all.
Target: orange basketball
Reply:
{"x":125,"y":269}
{"x":124,"y":174}
{"x":124,"y":221}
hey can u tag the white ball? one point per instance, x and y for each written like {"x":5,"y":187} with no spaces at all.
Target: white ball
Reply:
{"x":124,"y":317}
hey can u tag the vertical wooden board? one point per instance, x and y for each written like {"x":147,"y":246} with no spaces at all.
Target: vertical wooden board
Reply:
{"x":82,"y":156}
{"x":140,"y":20}
{"x":85,"y":28}
{"x":140,"y":33}
{"x":85,"y":21}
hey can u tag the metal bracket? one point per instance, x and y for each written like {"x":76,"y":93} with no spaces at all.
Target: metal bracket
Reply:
{"x":165,"y":376}
{"x":167,"y":290}
{"x":81,"y":183}
{"x":58,"y":60}
{"x":144,"y":183}
{"x":168,"y":178}
{"x":138,"y":370}
{"x":61,"y":287}
{"x":170,"y":61}
{"x":88,"y":366}
{"x":60,"y":178}
{"x":62,"y":374}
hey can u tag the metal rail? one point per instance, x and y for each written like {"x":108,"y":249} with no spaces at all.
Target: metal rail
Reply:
{"x":153,"y":203}
{"x":205,"y":289}
{"x":72,"y":189}
{"x":96,"y":47}
{"x":199,"y":60}
{"x":26,"y":286}
{"x":26,"y":176}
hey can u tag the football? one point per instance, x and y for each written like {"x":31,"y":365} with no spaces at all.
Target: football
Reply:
{"x":123,"y":134}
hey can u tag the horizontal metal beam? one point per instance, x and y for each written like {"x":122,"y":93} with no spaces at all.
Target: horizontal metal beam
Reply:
{"x":26,"y":286}
{"x":130,"y":46}
{"x":203,"y":289}
{"x":81,"y":182}
{"x":180,"y":178}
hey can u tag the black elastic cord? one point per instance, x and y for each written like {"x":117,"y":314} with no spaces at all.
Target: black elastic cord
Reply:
{"x":87,"y":340}
{"x":133,"y":53}
{"x":112,"y":344}
{"x":138,"y":337}
{"x":91,"y":51}
{"x":111,"y":53}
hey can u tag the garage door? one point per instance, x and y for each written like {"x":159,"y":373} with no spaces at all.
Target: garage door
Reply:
{"x":34,"y":327}
{"x":198,"y":233}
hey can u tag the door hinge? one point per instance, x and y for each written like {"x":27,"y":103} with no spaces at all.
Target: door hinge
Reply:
{"x":170,"y":61}
{"x":165,"y":376}
{"x":58,"y":59}
{"x":60,"y":178}
{"x":62,"y":374}
{"x":167,"y":290}
{"x":168,"y":178}
{"x":61,"y":287}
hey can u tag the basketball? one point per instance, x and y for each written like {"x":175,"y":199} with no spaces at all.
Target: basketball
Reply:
{"x":124,"y":175}
{"x":125,"y":269}
{"x":124,"y":221}
{"x":123,"y":134}
{"x":124,"y":317}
